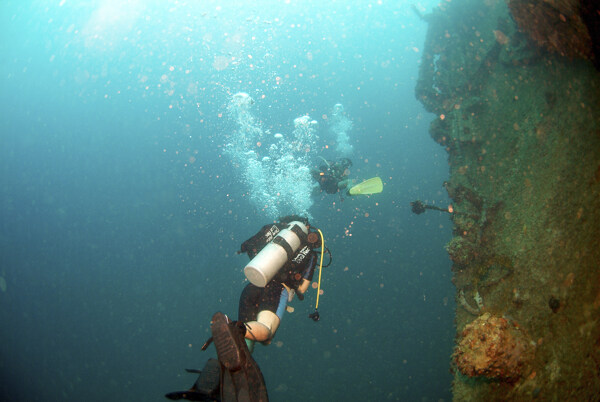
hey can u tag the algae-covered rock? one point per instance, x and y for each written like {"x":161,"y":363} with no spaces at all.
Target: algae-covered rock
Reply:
{"x":460,"y":250}
{"x":555,"y":25}
{"x":494,"y":348}
{"x":521,"y":130}
{"x":454,"y":53}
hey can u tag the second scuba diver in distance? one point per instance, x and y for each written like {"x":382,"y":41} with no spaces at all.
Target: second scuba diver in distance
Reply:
{"x":333,"y":177}
{"x":283,"y":260}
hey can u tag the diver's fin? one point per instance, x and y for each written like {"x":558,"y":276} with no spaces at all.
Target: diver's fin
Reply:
{"x":208,"y":380}
{"x":206,"y":387}
{"x":246,"y":384}
{"x":226,"y":337}
{"x":241,"y":378}
{"x":371,"y":186}
{"x":190,"y":395}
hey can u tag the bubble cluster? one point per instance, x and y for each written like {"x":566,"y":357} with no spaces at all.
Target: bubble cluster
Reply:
{"x":339,"y":125}
{"x":275,"y":168}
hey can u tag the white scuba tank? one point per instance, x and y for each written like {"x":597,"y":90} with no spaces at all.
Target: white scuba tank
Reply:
{"x":265,"y":265}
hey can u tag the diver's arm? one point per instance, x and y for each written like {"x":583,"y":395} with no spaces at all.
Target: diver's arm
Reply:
{"x":307,"y":277}
{"x":303,"y":286}
{"x":344,"y":183}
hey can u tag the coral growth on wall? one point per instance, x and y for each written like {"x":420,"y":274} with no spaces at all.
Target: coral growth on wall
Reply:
{"x":516,"y":98}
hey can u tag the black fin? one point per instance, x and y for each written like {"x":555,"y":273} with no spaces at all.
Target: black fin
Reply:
{"x":241,"y":378}
{"x":206,"y":387}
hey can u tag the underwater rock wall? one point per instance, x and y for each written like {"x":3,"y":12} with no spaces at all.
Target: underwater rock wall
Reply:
{"x":562,"y":26}
{"x":521,"y":126}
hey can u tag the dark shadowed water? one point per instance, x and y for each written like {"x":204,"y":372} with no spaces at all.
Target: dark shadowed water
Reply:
{"x":121,"y":214}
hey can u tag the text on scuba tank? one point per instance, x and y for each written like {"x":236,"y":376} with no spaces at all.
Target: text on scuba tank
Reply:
{"x":271,"y":233}
{"x":301,"y":255}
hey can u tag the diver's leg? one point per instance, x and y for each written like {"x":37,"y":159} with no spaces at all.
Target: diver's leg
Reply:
{"x":342,"y":184}
{"x":248,"y":308}
{"x":271,"y":308}
{"x":345,"y":184}
{"x":261,"y":310}
{"x":264,"y":328}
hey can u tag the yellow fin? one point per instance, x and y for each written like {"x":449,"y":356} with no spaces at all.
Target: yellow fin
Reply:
{"x":371,"y":186}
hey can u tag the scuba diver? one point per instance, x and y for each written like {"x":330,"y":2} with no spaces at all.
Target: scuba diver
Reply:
{"x":283,"y":260}
{"x":332,"y":176}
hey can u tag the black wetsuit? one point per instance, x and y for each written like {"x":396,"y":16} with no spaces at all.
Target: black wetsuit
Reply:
{"x":329,"y":176}
{"x":235,"y":376}
{"x":274,"y":296}
{"x":328,"y":183}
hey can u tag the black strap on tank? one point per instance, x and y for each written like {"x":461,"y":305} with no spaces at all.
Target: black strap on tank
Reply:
{"x":285,"y":245}
{"x":300,"y":233}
